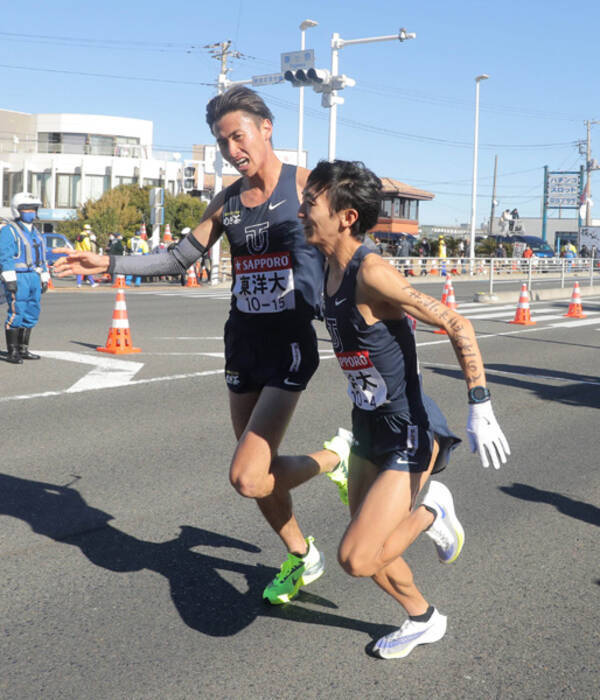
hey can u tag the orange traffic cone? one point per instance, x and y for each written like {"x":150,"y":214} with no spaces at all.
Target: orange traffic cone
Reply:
{"x":167,"y":238}
{"x":575,"y":308}
{"x":119,"y":336}
{"x":192,"y":280}
{"x":523,"y":315}
{"x":119,"y":282}
{"x":451,"y":299}
{"x":50,"y":282}
{"x":444,"y":300}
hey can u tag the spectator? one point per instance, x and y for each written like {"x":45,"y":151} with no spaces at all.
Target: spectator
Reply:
{"x":514,"y":218}
{"x":83,"y":242}
{"x":584,"y":252}
{"x":505,"y":220}
{"x":136,"y":245}
{"x":527,"y":253}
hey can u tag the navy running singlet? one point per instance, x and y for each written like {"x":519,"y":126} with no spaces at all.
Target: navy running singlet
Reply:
{"x":379,"y":361}
{"x":276,"y":275}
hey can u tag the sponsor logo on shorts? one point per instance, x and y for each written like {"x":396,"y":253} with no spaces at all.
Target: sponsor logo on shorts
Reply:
{"x":289,"y":382}
{"x":232,"y":378}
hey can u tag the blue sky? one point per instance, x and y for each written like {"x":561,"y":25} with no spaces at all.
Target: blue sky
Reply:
{"x":410,"y":116}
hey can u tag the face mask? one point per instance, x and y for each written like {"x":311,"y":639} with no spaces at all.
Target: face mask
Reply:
{"x":27,"y":216}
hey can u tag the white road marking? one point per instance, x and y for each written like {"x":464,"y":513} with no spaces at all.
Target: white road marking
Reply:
{"x":108,"y":372}
{"x":576,"y":322}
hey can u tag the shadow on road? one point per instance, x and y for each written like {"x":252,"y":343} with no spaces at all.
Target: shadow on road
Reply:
{"x":204,"y":599}
{"x":580,"y":510}
{"x":579,"y":392}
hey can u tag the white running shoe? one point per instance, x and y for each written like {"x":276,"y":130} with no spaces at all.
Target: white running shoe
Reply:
{"x":400,"y":643}
{"x":446,"y":530}
{"x":340,"y":444}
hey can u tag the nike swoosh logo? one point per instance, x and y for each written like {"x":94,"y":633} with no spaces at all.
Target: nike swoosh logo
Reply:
{"x":274,"y":206}
{"x":289,"y":383}
{"x":337,"y":302}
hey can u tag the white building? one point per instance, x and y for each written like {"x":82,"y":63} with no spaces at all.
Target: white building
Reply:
{"x":68,"y":159}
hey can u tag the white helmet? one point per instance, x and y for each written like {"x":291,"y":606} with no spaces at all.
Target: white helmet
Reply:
{"x":23,"y":200}
{"x":185,"y":231}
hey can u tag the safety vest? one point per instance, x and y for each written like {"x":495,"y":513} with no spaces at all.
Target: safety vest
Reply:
{"x":25,"y":254}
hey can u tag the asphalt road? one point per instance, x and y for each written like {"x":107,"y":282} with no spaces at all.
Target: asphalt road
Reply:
{"x":131,"y":569}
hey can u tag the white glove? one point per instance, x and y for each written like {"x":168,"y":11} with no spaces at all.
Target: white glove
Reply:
{"x":45,"y":277}
{"x":484,"y":433}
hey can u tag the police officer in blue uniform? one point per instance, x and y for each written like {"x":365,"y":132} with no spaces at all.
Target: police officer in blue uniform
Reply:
{"x":24,"y":274}
{"x":400,"y":435}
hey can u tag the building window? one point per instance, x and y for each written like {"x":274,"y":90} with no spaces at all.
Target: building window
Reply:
{"x":49,"y":142}
{"x":74,"y":143}
{"x":39,"y":185}
{"x":101,"y":145}
{"x":171,"y":186}
{"x":397,"y":208}
{"x":386,"y":208}
{"x":96,"y":186}
{"x":68,"y":191}
{"x":12,"y":183}
{"x":120,"y":180}
{"x":152,"y":182}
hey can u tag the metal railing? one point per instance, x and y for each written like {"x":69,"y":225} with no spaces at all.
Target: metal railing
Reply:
{"x":494,"y":269}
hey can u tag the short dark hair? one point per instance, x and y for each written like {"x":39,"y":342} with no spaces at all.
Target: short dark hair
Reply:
{"x":237,"y":98}
{"x":349,"y":185}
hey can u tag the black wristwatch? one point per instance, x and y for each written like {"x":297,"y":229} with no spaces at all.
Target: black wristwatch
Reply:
{"x":479,"y":394}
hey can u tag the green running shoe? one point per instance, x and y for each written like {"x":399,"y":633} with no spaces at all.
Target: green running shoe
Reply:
{"x":340,"y":444}
{"x":294,"y":573}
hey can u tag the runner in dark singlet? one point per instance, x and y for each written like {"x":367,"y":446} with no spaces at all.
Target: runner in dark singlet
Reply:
{"x":400,"y":433}
{"x":270,"y":345}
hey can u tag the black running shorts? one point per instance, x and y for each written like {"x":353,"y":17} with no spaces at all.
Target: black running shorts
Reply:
{"x":390,"y":442}
{"x":285,"y":357}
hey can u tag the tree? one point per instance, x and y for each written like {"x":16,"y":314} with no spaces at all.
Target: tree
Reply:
{"x":123,"y":210}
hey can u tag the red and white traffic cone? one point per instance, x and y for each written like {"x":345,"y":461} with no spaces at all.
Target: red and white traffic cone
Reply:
{"x":119,"y":335}
{"x":523,"y":314}
{"x":575,"y":308}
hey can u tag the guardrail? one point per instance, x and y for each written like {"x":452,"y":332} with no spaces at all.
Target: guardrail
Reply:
{"x":527,"y":269}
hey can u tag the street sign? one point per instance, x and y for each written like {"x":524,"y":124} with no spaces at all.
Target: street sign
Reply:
{"x":157,"y":197}
{"x":293,"y":60}
{"x":267,"y":79}
{"x":563,"y":190}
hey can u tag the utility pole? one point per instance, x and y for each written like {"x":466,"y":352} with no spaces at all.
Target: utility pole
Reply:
{"x":493,"y":196}
{"x":589,"y":166}
{"x":221,"y":51}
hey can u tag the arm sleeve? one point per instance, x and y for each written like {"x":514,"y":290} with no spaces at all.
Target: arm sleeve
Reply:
{"x":174,"y":262}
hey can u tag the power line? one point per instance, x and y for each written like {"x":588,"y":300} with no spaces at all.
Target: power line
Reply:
{"x":108,"y":75}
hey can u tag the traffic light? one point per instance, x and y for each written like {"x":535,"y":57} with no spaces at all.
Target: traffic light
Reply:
{"x":321,"y":81}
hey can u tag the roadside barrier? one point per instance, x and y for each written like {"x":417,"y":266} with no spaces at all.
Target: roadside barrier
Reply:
{"x":119,"y":282}
{"x":523,"y":314}
{"x":119,"y":336}
{"x":575,"y":308}
{"x":192,"y":280}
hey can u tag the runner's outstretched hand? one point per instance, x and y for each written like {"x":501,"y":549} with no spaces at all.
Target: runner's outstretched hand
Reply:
{"x":79,"y":262}
{"x":485,"y":435}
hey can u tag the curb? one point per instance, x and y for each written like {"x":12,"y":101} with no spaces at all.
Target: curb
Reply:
{"x":535,"y":294}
